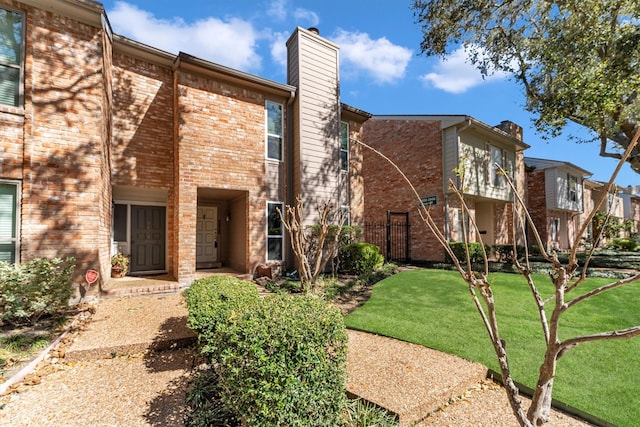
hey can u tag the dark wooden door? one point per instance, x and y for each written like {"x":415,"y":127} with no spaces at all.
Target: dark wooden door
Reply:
{"x":148,"y":236}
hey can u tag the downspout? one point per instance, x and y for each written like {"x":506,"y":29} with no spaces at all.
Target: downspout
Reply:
{"x":288,"y":187}
{"x":289,"y":159}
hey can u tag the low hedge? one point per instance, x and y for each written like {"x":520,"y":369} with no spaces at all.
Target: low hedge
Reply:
{"x":623,"y":244}
{"x":504,"y":253}
{"x":39,"y":287}
{"x":360,"y":258}
{"x":475,"y":251}
{"x":214,"y":301}
{"x":279,"y":360}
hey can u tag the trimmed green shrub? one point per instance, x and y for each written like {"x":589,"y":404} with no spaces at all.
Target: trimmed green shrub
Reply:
{"x":360,"y":258}
{"x":623,"y":244}
{"x":284,"y":363}
{"x":475,"y":251}
{"x":505,"y":252}
{"x":39,"y":287}
{"x":214,"y":301}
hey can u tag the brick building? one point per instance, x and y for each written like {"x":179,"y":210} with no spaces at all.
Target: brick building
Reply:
{"x":612,"y":204}
{"x":111,"y":145}
{"x":428,"y":149}
{"x":556,"y":201}
{"x":631,"y":209}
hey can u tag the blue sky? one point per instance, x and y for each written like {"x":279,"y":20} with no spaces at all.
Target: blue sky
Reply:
{"x":381,"y":68}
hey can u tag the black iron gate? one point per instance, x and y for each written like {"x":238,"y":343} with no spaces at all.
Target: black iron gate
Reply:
{"x":392,"y":237}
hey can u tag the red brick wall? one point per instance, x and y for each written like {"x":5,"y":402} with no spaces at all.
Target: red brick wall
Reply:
{"x":143,"y":152}
{"x":504,"y":223}
{"x":416,"y":147}
{"x":537,"y":204}
{"x":221,"y":145}
{"x":105,"y":174}
{"x":356,"y":179}
{"x":60,"y":134}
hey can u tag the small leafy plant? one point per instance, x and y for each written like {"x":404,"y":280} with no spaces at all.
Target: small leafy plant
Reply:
{"x":120,"y":262}
{"x":361,"y":258}
{"x":39,"y":287}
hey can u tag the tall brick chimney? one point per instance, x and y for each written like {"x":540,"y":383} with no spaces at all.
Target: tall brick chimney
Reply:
{"x":511,"y":128}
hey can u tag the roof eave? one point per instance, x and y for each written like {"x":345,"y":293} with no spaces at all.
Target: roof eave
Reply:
{"x":188,"y":62}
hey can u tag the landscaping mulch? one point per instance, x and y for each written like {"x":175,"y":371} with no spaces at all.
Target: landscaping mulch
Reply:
{"x":144,"y":385}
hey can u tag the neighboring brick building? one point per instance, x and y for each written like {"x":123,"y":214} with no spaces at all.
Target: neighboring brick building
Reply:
{"x":631,"y":208}
{"x":613,"y":204}
{"x":111,"y":145}
{"x":427,"y":148}
{"x":556,"y":201}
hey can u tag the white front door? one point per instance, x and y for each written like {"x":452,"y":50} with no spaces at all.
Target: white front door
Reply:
{"x":207,"y":234}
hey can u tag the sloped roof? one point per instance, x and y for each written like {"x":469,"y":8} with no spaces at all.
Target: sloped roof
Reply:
{"x":548,"y":164}
{"x":450,"y":120}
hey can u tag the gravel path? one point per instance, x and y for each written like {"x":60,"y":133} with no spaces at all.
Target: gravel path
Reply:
{"x":124,"y":391}
{"x":137,"y":386}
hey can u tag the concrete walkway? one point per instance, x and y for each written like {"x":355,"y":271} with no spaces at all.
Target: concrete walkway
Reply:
{"x":403,"y":378}
{"x":133,"y":324}
{"x":115,"y":374}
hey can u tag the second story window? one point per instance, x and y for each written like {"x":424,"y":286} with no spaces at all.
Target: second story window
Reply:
{"x":572,"y":186}
{"x":496,"y":158}
{"x":344,"y":146}
{"x":11,"y":41}
{"x":274,"y":130}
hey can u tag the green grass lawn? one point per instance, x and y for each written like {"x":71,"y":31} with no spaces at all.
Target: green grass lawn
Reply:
{"x":434,"y":308}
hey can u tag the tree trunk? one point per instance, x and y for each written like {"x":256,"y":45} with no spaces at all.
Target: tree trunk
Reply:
{"x":540,"y":408}
{"x":510,"y":387}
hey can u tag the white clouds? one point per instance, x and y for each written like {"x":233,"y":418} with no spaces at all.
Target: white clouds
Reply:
{"x":278,"y":10}
{"x":232,"y":43}
{"x":279,"y":49}
{"x":379,"y":58}
{"x":456,"y":74}
{"x":312,"y":19}
{"x":235,"y":42}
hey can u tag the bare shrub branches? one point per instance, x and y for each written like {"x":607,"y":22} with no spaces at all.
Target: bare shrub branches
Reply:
{"x":563,"y":278}
{"x":314,"y":246}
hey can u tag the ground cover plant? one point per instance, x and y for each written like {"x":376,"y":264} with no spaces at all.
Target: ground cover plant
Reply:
{"x":18,"y":347}
{"x":433,"y":308}
{"x":34,"y":306}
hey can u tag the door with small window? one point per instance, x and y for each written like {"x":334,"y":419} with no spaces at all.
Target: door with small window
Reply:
{"x":207,"y":235}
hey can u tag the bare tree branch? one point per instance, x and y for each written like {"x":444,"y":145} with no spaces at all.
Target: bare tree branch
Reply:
{"x":601,"y":290}
{"x":618,"y":334}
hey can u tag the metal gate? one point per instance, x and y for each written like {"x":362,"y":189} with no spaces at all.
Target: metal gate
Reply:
{"x":392,"y":237}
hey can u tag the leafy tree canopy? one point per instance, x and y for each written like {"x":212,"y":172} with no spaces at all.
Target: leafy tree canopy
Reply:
{"x":577,"y":60}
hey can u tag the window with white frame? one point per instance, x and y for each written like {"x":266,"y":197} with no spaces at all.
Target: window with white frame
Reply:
{"x":344,"y":146}
{"x":496,"y":158}
{"x":274,"y":130}
{"x":11,"y":57}
{"x":554,"y":228}
{"x":275,"y":232}
{"x":572,"y":188}
{"x":9,"y":239}
{"x":346,"y":214}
